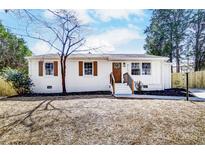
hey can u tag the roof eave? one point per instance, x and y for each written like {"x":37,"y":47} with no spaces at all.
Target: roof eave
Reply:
{"x":140,"y":58}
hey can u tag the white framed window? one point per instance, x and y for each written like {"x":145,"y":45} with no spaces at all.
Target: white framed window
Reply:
{"x":146,"y":68}
{"x":88,"y":68}
{"x":135,"y":68}
{"x":49,"y":68}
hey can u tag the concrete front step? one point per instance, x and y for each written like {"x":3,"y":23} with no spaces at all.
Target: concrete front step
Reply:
{"x":122,"y":88}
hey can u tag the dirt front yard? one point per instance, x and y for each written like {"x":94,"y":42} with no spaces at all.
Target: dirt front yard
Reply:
{"x":100,"y":120}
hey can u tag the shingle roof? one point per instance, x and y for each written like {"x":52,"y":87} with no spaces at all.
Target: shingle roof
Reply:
{"x":101,"y":56}
{"x":134,"y":56}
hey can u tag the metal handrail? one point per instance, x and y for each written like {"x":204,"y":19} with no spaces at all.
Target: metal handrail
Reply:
{"x":128,"y":79}
{"x":112,"y":82}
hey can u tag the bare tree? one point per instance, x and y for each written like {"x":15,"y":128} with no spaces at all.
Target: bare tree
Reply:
{"x":63,"y":33}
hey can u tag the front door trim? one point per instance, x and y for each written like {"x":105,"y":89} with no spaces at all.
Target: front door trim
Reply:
{"x":117,"y":71}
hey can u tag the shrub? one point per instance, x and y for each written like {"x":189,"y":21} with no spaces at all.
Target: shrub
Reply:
{"x":19,"y":80}
{"x":138,"y":86}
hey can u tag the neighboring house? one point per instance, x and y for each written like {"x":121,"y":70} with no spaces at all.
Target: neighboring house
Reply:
{"x":184,"y":68}
{"x":95,"y":72}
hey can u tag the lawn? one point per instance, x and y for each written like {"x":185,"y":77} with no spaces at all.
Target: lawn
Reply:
{"x":100,"y":120}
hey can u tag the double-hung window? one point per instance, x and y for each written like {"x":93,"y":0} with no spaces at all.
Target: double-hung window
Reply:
{"x":146,"y":68}
{"x":88,"y":68}
{"x":135,"y":69}
{"x":49,"y":68}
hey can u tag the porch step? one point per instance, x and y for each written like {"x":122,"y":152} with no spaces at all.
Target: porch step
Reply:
{"x":122,"y":88}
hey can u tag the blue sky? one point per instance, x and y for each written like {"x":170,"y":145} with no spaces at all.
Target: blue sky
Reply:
{"x":117,"y":31}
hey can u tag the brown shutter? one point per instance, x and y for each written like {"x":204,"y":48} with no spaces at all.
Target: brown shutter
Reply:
{"x":80,"y":68}
{"x":40,"y":68}
{"x":95,"y":68}
{"x":55,"y":68}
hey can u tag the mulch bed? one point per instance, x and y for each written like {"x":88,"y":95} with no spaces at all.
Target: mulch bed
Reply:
{"x":58,"y":96}
{"x":67,"y":94}
{"x":166,"y":92}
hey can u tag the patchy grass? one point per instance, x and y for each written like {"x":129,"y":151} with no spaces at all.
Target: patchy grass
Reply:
{"x":100,"y":120}
{"x":6,"y":89}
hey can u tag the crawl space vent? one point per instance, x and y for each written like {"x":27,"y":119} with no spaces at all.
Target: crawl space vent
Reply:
{"x":49,"y":87}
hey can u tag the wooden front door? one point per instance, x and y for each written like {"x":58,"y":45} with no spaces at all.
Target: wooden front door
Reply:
{"x":116,"y":70}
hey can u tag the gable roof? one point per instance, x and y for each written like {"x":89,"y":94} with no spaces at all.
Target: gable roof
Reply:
{"x":101,"y":56}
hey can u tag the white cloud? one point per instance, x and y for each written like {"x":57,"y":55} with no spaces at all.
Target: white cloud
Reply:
{"x":98,"y":45}
{"x":132,"y":26}
{"x":102,"y":14}
{"x":83,"y":16}
{"x":110,"y":40}
{"x":41,"y":47}
{"x":106,"y":15}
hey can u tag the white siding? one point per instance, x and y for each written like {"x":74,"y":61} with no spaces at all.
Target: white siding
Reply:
{"x":76,"y":83}
{"x":167,"y":75}
{"x":160,"y":77}
{"x":154,"y":81}
{"x":41,"y":82}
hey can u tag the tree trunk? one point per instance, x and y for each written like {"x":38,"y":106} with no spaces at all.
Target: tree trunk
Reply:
{"x":197,"y":50}
{"x":177,"y":60}
{"x":171,"y":55}
{"x":196,"y":65}
{"x":171,"y":47}
{"x":170,"y":58}
{"x":63,"y":84}
{"x":63,"y":73}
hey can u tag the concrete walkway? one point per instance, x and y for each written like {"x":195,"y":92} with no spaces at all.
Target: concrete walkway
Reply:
{"x":159,"y":97}
{"x":1,"y":97}
{"x":200,"y":93}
